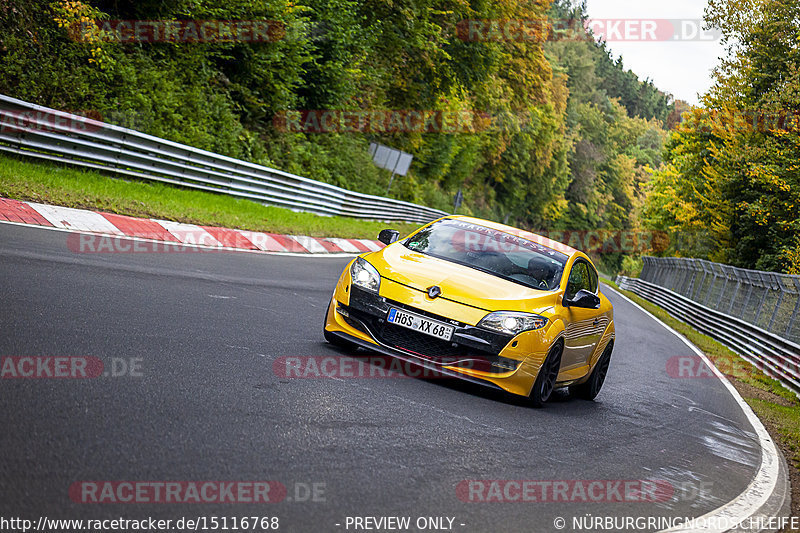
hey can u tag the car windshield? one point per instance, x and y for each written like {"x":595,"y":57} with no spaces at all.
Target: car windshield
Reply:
{"x":495,"y":252}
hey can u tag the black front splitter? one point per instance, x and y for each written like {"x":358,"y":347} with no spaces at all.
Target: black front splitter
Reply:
{"x":402,"y":356}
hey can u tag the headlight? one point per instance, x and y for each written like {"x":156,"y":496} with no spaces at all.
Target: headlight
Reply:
{"x":511,"y":322}
{"x":365,"y":275}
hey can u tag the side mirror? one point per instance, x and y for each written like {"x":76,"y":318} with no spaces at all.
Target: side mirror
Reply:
{"x":583,"y":299}
{"x":388,"y":236}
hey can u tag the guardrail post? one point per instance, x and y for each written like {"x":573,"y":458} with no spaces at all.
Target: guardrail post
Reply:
{"x":673,"y":265}
{"x":688,"y":291}
{"x":649,"y":268}
{"x":714,"y":280}
{"x":671,"y":273}
{"x":713,"y":283}
{"x":790,"y":325}
{"x":680,"y":275}
{"x":749,"y":292}
{"x":724,"y":286}
{"x":665,"y":272}
{"x":777,"y":305}
{"x":682,"y":272}
{"x":736,"y":291}
{"x":699,"y":290}
{"x":688,"y":280}
{"x":767,"y":288}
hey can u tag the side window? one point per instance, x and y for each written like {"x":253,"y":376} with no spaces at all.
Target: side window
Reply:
{"x":592,"y":279}
{"x":578,"y":279}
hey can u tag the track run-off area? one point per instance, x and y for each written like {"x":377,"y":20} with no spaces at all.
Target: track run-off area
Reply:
{"x":185,"y":385}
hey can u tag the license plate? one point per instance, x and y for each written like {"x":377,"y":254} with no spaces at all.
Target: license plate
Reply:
{"x":421,"y":324}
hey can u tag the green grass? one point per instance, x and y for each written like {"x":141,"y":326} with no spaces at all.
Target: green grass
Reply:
{"x":60,"y":185}
{"x":776,"y":406}
{"x":786,"y":418}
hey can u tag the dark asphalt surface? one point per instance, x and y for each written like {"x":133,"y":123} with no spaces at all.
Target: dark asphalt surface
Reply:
{"x":208,"y":405}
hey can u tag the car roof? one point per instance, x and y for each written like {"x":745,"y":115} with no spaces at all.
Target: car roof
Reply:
{"x":533,"y":237}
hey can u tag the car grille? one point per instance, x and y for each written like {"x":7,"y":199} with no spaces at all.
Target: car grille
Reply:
{"x":419,"y":343}
{"x":370,"y":310}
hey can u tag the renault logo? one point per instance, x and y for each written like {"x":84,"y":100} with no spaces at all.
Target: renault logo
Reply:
{"x":434,"y":292}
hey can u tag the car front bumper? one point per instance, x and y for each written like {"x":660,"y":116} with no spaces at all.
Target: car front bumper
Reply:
{"x":473,"y":354}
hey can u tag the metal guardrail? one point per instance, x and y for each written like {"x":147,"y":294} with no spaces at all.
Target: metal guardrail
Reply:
{"x":40,"y":132}
{"x":768,"y":300}
{"x":774,"y":355}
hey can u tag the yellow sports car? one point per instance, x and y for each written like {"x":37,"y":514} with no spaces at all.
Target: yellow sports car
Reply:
{"x":479,"y":301}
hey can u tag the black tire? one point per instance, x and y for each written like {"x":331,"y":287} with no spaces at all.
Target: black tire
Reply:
{"x":591,"y":388}
{"x":546,"y":380}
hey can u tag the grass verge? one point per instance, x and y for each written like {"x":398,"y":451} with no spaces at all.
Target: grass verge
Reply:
{"x":70,"y":187}
{"x":776,"y":407}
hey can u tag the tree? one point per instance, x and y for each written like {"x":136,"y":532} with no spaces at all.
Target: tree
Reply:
{"x":734,"y":165}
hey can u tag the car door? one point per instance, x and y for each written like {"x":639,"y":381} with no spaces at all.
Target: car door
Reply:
{"x":582,"y":332}
{"x":601,"y":320}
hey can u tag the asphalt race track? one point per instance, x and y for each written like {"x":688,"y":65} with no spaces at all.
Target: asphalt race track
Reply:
{"x":203,"y":331}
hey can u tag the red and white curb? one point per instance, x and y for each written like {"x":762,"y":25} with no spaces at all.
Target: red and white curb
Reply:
{"x":168,"y":232}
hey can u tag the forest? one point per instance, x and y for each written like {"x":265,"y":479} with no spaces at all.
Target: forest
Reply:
{"x":552,"y":132}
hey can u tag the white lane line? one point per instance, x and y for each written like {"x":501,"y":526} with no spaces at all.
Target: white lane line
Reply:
{"x":75,"y":219}
{"x":309,"y":243}
{"x":748,"y":503}
{"x":189,"y":233}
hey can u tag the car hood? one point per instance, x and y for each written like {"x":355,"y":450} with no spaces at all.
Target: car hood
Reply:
{"x":458,"y":283}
